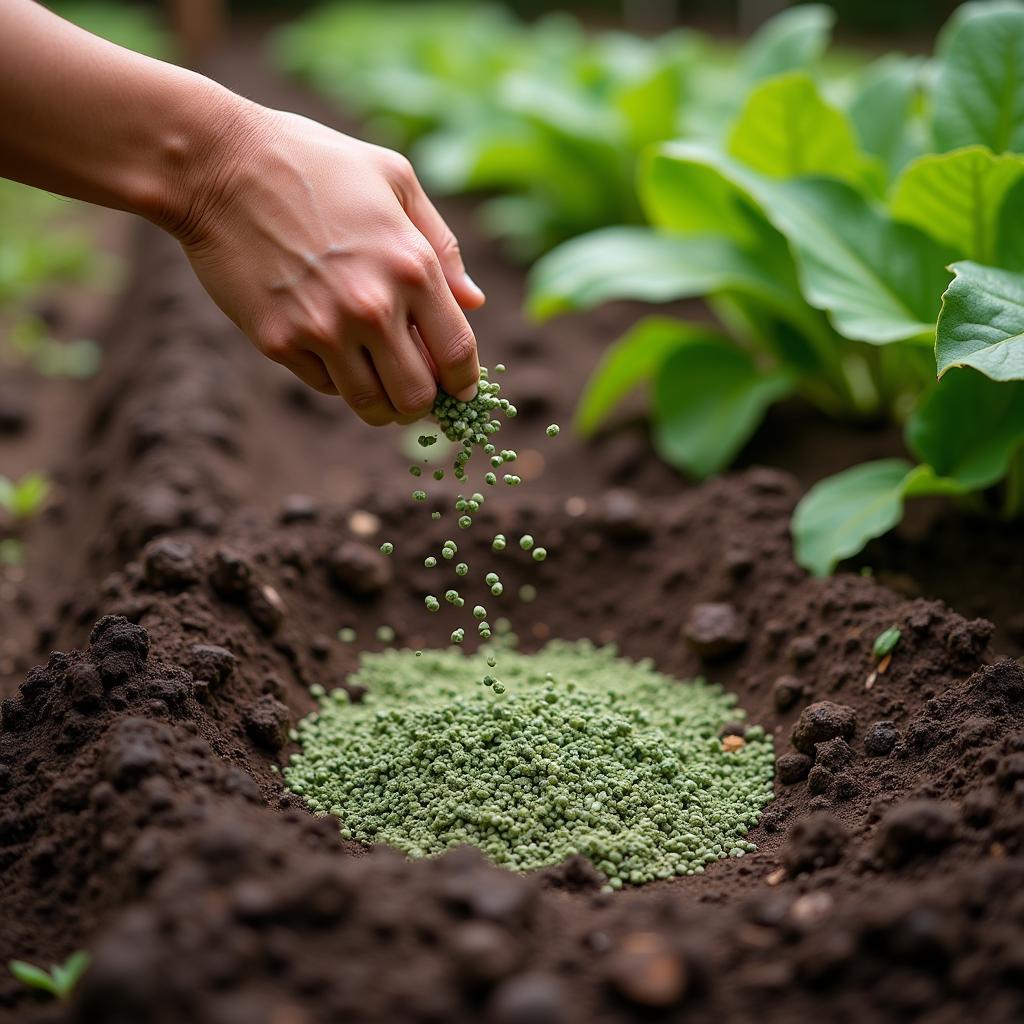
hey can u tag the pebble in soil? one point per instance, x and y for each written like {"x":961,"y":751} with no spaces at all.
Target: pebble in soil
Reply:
{"x":573,"y":751}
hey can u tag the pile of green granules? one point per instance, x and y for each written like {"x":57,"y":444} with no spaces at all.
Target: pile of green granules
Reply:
{"x":580,"y":752}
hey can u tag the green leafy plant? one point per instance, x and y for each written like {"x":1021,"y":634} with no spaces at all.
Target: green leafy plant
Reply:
{"x":59,"y":981}
{"x":22,"y":499}
{"x":826,"y":248}
{"x":551,"y":118}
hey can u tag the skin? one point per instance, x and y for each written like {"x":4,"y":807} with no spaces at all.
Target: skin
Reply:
{"x":323,"y":249}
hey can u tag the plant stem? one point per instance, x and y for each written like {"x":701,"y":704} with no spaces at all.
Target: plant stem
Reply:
{"x":1013,"y":500}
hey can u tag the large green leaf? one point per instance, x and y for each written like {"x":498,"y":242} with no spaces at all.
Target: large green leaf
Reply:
{"x":794,"y":39}
{"x":841,"y":513}
{"x":878,"y":280}
{"x":709,"y":399}
{"x":638,"y":263}
{"x":968,"y":428}
{"x":957,"y":197}
{"x":883,"y":110}
{"x":786,"y":129}
{"x":979,"y":89}
{"x":632,"y":360}
{"x":982,"y":322}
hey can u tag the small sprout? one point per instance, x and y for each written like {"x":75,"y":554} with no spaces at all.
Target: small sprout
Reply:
{"x":347,"y":635}
{"x":416,"y":471}
{"x":426,"y":440}
{"x":539,"y":554}
{"x":385,"y":634}
{"x":465,"y":522}
{"x":526,"y":542}
{"x":497,"y":589}
{"x":458,"y":635}
{"x":479,"y":612}
{"x":12,"y":552}
{"x":429,"y":562}
{"x":59,"y":981}
{"x":432,"y":603}
{"x":527,"y":593}
{"x":419,"y":495}
{"x":885,"y":642}
{"x":387,"y":548}
{"x":462,"y":569}
{"x":498,"y":544}
{"x":552,"y":430}
{"x":24,"y":498}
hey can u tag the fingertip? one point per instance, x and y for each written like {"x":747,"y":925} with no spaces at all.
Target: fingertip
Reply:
{"x":467,"y":394}
{"x":470,"y":294}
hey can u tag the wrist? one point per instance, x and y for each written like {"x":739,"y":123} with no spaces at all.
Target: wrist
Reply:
{"x":206,"y":133}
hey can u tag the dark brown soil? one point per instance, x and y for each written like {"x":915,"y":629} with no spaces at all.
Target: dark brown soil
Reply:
{"x":198,"y":569}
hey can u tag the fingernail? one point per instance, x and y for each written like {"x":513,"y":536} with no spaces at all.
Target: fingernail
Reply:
{"x":474,"y":287}
{"x":466,"y":394}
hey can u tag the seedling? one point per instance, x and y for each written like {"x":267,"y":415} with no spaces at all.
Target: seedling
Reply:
{"x":24,"y":498}
{"x":886,"y":642}
{"x":59,"y":981}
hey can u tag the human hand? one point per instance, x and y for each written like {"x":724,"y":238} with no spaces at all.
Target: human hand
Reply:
{"x":327,"y":253}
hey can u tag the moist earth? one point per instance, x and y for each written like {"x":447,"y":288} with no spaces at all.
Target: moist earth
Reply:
{"x":191,"y":579}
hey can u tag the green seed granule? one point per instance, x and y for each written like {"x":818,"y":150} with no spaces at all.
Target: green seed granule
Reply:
{"x":539,"y":554}
{"x":479,"y":612}
{"x":465,"y":522}
{"x":426,"y":440}
{"x":435,"y":515}
{"x":491,"y":578}
{"x":430,"y":561}
{"x":585,"y":753}
{"x":416,"y":471}
{"x":526,"y":542}
{"x":438,"y":474}
{"x":552,"y":430}
{"x":462,"y":569}
{"x":498,"y":544}
{"x":432,"y":603}
{"x":419,"y":495}
{"x":458,"y":635}
{"x":387,"y":548}
{"x":527,"y":593}
{"x":385,"y":634}
{"x":347,"y":635}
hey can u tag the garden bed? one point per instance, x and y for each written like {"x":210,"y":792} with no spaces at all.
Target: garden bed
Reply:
{"x":143,"y":817}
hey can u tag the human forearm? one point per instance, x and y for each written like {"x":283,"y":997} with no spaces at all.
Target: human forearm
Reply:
{"x":323,"y":249}
{"x":91,"y":120}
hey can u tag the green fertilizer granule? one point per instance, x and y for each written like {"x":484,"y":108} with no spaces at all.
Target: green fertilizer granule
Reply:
{"x":572,"y":750}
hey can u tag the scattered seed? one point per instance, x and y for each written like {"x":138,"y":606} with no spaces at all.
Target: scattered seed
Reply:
{"x":387,"y":548}
{"x":539,"y":554}
{"x":552,"y":430}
